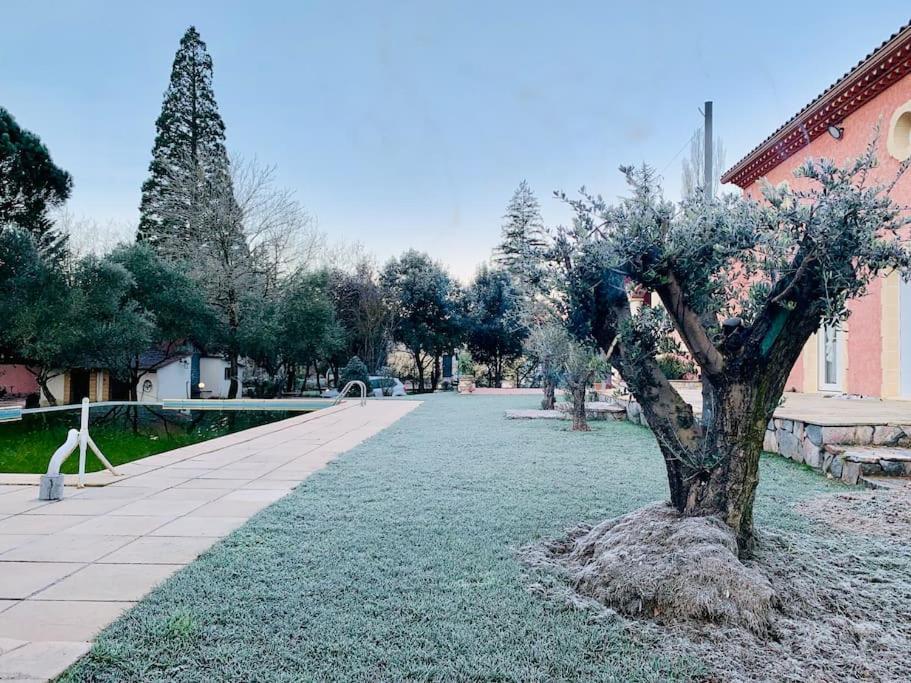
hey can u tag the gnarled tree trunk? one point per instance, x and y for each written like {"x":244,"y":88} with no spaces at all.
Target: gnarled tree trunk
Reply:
{"x":580,"y":423}
{"x":550,"y":390}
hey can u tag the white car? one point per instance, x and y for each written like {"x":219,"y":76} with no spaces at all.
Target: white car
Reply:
{"x":387,"y":386}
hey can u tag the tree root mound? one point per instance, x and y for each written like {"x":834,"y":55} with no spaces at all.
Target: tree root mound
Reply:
{"x":654,"y":563}
{"x":810,"y":606}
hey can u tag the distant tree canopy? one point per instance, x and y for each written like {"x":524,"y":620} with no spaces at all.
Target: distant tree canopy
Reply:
{"x":30,"y":185}
{"x":494,"y":324}
{"x":424,"y":304}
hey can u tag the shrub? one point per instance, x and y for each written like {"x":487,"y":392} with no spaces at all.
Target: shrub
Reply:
{"x":675,"y":367}
{"x":355,"y":370}
{"x":466,"y":363}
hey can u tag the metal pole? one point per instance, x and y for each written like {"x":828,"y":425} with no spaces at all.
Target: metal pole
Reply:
{"x":709,"y":181}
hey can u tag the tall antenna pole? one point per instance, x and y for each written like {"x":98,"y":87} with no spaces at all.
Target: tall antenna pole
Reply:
{"x":709,"y":181}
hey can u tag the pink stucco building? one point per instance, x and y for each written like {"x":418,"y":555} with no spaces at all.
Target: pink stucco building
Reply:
{"x":16,"y":380}
{"x":870,"y":354}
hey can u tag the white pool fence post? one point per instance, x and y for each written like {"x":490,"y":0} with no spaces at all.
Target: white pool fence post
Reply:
{"x":83,"y":440}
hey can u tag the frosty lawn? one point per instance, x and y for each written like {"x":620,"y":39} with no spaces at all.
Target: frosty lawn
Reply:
{"x":399,"y":561}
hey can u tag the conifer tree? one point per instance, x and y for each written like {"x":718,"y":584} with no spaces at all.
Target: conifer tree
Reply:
{"x":30,"y":185}
{"x":189,"y":149}
{"x":522,"y":231}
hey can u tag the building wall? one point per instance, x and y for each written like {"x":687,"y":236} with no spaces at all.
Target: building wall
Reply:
{"x":170,"y":381}
{"x":876,"y":356}
{"x":212,"y":374}
{"x":17,"y":381}
{"x":59,"y":387}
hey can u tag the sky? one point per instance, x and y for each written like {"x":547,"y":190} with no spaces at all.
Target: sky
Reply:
{"x":410,"y":124}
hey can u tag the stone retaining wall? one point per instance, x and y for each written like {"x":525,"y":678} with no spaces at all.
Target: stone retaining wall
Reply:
{"x":817,"y":445}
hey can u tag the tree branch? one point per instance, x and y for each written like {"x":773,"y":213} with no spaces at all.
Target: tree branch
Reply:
{"x":688,"y":324}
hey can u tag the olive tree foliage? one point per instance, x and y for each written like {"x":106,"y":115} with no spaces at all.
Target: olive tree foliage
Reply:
{"x":549,"y":344}
{"x":744,"y":284}
{"x":580,"y":364}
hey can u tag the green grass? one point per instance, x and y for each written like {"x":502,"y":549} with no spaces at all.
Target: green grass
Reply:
{"x":123,"y":433}
{"x":398,"y":562}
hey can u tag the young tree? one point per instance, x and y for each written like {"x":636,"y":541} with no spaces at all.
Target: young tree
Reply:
{"x":30,"y":185}
{"x":494,"y":322}
{"x":580,"y":364}
{"x":363,"y":315}
{"x":549,"y":344}
{"x":423,"y":301}
{"x":189,"y":151}
{"x":744,"y":285}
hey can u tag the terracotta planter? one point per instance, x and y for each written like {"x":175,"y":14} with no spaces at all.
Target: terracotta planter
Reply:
{"x":466,"y":384}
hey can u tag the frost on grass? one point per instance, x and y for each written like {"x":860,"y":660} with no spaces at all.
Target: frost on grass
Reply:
{"x":806,"y":607}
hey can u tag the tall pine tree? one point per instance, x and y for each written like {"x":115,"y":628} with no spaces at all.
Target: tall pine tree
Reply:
{"x":30,"y":185}
{"x":189,"y":150}
{"x":523,"y":244}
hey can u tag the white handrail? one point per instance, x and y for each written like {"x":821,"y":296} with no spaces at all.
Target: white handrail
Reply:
{"x":344,"y":392}
{"x":74,"y":438}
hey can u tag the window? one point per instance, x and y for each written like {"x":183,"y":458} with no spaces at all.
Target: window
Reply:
{"x":899,"y":140}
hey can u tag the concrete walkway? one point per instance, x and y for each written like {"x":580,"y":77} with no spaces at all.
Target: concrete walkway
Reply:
{"x":70,"y":568}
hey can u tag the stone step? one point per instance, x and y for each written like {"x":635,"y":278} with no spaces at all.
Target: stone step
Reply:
{"x":901,"y":484}
{"x":853,"y":463}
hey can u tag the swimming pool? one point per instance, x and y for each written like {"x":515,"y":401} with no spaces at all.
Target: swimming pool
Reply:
{"x":123,"y":432}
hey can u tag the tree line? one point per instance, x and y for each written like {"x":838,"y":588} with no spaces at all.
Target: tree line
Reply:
{"x":225,"y":262}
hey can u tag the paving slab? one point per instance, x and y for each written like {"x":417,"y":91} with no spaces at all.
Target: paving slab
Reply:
{"x":59,"y":620}
{"x":69,"y":568}
{"x":40,"y":661}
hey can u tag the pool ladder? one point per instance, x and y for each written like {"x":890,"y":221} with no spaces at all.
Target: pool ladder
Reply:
{"x":347,"y":387}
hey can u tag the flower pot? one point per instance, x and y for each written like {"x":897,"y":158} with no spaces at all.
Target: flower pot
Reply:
{"x":466,"y":384}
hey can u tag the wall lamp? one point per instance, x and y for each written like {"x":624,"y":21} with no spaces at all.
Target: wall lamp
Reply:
{"x":836,"y":131}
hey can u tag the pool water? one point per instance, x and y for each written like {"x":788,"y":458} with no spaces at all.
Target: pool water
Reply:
{"x":123,"y":433}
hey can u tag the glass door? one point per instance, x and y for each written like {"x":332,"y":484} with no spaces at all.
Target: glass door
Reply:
{"x":830,"y":342}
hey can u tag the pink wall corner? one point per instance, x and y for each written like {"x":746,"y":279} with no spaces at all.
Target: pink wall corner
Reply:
{"x":18,"y":381}
{"x":865,"y":343}
{"x":795,"y":379}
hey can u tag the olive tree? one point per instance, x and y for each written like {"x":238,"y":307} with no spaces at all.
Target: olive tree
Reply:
{"x":744,"y":284}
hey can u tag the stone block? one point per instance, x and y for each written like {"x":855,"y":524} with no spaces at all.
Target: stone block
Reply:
{"x":789,"y":445}
{"x":863,"y":435}
{"x":770,"y":442}
{"x":811,"y":453}
{"x":786,"y":425}
{"x":836,"y":467}
{"x":887,"y":435}
{"x":851,"y":472}
{"x":838,"y":435}
{"x":814,"y":434}
{"x":632,"y":412}
{"x":893,"y":468}
{"x":798,"y":429}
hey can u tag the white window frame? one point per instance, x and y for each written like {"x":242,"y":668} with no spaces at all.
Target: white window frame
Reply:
{"x":839,"y":360}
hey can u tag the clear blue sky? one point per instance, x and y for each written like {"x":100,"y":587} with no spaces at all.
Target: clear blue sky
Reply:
{"x":409,"y":124}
